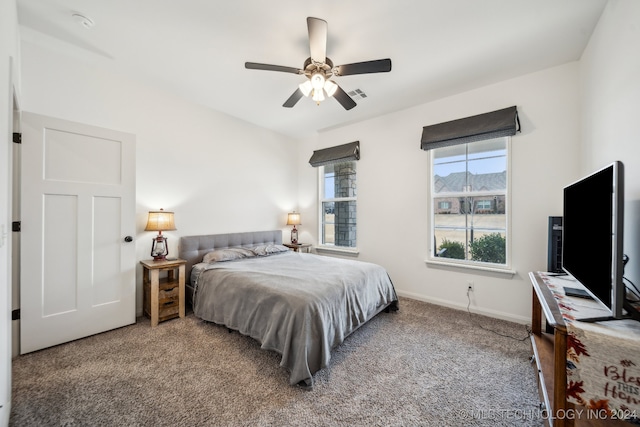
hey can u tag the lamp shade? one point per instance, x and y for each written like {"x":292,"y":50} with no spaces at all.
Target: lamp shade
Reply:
{"x":306,"y":88}
{"x":293,"y":218}
{"x":160,"y":221}
{"x":317,"y":80}
{"x":330,"y":87}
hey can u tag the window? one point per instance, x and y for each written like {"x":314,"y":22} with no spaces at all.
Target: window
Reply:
{"x":483,"y":204}
{"x":472,"y":180}
{"x":338,"y":191}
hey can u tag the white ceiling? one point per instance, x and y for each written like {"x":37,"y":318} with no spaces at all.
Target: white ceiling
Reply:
{"x":198,"y":48}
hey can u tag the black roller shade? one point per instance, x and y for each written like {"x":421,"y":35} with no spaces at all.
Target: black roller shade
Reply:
{"x":337,"y":154}
{"x":495,"y":124}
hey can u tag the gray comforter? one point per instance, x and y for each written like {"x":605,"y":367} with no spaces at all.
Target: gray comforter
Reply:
{"x":300,"y":305}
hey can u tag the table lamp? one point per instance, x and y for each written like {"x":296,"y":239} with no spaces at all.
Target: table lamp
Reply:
{"x":293,"y":218}
{"x":160,"y":221}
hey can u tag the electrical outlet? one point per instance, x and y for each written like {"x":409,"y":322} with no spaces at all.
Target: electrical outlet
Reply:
{"x":470,"y":286}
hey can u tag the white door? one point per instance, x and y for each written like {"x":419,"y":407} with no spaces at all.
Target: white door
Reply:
{"x":77,"y":209}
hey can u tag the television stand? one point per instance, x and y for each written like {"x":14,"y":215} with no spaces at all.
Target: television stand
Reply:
{"x":550,"y":354}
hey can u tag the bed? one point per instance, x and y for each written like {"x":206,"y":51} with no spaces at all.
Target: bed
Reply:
{"x":298,"y":304}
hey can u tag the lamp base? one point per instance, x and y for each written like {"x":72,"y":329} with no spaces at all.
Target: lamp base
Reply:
{"x":294,"y":236}
{"x":159,"y":248}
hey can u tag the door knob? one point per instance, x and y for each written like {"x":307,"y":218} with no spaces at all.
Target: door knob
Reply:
{"x":128,"y":239}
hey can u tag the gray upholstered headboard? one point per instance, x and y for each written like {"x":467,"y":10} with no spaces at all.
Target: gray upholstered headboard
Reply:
{"x":193,"y":248}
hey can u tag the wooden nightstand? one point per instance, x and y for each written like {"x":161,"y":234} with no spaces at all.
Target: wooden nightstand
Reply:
{"x":163,"y":297}
{"x":297,"y":246}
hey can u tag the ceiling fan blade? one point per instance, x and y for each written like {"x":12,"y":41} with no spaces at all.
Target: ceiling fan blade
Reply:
{"x":344,"y":99}
{"x":269,"y":67}
{"x":377,"y":66}
{"x":293,"y":99}
{"x":317,"y":39}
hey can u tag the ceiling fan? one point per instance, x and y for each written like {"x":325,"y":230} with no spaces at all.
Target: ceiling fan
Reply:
{"x":318,"y":69}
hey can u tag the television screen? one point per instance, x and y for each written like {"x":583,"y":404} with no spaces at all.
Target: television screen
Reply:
{"x":592,"y":235}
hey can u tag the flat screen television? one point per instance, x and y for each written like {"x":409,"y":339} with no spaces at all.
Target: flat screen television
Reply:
{"x":592,"y":239}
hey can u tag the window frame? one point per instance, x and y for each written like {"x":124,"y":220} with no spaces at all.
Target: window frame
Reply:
{"x":432,"y":208}
{"x":322,"y":246}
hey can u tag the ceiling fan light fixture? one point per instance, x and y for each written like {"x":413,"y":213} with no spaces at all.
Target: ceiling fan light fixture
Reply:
{"x":317,"y":81}
{"x":330,"y":87}
{"x":306,"y":88}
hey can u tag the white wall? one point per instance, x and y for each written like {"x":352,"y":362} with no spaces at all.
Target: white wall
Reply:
{"x":9,"y":71}
{"x":610,"y":89}
{"x":217,"y":173}
{"x":393,"y":182}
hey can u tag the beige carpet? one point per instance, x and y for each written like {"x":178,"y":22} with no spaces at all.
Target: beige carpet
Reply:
{"x":425,"y":365}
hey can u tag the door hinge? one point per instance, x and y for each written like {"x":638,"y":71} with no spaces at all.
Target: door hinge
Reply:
{"x":17,"y":138}
{"x":16,"y":226}
{"x":15,"y":314}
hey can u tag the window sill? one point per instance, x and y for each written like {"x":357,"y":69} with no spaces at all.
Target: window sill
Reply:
{"x":342,"y":251}
{"x":507,"y":271}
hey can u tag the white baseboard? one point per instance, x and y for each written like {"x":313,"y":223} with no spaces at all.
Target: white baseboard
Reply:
{"x":483,"y":311}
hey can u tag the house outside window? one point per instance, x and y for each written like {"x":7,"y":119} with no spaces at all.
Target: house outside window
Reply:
{"x":469,"y":203}
{"x":338,"y":202}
